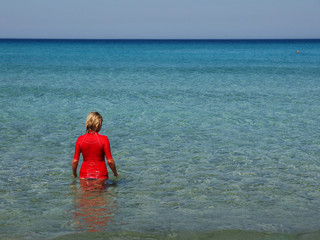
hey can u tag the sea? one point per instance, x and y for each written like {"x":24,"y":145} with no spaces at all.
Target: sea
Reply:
{"x":212,"y":139}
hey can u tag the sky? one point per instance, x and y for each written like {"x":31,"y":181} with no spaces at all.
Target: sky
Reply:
{"x":160,"y":19}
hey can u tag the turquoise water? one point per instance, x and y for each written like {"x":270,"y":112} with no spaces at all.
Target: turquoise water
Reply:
{"x":212,"y":139}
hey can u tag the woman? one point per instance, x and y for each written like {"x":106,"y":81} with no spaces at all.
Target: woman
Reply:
{"x":93,"y":147}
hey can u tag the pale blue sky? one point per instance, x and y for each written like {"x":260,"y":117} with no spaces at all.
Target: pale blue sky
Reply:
{"x":161,"y":19}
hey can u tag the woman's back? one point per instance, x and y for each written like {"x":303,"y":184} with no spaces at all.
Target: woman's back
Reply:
{"x":93,"y":147}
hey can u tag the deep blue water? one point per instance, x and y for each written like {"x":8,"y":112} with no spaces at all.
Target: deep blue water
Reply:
{"x":212,"y":139}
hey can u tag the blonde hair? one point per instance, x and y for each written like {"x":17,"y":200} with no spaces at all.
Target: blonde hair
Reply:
{"x":94,"y":122}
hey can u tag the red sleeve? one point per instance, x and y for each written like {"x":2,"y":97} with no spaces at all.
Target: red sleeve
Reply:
{"x":107,"y":150}
{"x":77,"y":150}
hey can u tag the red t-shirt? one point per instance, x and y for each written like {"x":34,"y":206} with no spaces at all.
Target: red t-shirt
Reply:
{"x":93,"y":148}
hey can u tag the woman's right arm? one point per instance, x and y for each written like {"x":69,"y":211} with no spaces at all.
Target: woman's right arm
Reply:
{"x":112,"y":165}
{"x":109,"y":157}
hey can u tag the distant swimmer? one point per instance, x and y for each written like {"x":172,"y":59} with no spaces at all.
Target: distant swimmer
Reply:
{"x":298,"y":51}
{"x":94,"y":148}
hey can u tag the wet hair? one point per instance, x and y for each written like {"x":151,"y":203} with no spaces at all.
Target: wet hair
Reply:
{"x":94,"y":122}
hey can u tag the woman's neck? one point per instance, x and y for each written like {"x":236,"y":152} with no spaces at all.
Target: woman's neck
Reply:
{"x":92,"y":132}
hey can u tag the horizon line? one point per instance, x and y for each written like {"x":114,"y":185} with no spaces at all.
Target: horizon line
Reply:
{"x":165,"y":39}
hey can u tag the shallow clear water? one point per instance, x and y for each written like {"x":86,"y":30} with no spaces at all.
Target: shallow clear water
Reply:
{"x":211,"y":138}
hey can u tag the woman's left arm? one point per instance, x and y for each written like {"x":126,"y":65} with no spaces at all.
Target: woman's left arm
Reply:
{"x":75,"y":160}
{"x":74,"y":167}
